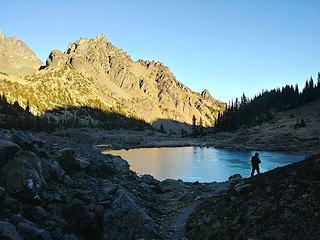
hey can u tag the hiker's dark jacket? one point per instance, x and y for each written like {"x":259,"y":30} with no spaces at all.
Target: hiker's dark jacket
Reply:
{"x":255,"y":160}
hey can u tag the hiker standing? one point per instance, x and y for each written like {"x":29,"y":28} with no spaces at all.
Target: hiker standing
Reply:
{"x":255,"y":161}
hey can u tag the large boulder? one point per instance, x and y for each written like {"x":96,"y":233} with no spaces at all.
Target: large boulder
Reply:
{"x":82,"y":162}
{"x":104,"y":191}
{"x":66,"y":158}
{"x":234,"y":179}
{"x":24,"y":139}
{"x":8,"y":231}
{"x":120,"y":164}
{"x":242,"y":187}
{"x":81,"y":221}
{"x":3,"y":194}
{"x":124,"y":211}
{"x":70,"y":162}
{"x":56,"y":171}
{"x":52,"y":170}
{"x":104,"y":168}
{"x":11,"y":204}
{"x":7,"y":151}
{"x":28,"y":230}
{"x":23,"y":175}
{"x":151,"y":181}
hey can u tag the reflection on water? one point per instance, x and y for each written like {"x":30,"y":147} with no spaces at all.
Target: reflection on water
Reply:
{"x":200,"y":164}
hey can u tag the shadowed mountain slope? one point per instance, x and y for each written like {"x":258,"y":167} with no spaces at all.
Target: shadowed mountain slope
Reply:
{"x":12,"y":116}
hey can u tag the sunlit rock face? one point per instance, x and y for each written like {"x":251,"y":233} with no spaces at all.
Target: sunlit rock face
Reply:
{"x":16,"y":57}
{"x":92,"y":72}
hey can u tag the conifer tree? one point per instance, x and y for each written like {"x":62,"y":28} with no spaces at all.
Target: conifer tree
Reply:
{"x":261,"y":107}
{"x":194,"y":121}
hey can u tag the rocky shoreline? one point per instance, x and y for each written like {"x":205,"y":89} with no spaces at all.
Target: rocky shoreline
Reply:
{"x":279,"y":204}
{"x":55,"y":187}
{"x":120,"y":139}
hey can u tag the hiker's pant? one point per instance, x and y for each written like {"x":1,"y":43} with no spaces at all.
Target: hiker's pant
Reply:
{"x":255,"y":168}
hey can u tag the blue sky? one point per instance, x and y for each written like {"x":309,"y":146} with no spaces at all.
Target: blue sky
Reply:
{"x":229,"y":47}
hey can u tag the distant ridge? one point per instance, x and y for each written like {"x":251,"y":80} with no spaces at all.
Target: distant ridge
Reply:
{"x":92,"y":72}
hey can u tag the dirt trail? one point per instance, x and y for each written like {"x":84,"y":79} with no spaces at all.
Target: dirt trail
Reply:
{"x":179,"y":201}
{"x":178,"y":226}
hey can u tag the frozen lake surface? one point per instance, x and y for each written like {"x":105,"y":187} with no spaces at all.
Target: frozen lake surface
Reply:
{"x":200,"y":163}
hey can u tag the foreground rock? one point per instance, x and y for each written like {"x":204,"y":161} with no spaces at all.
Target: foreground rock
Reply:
{"x":23,"y":175}
{"x":59,"y":188}
{"x":124,"y":212}
{"x":7,"y":150}
{"x":280,"y":204}
{"x":8,"y":231}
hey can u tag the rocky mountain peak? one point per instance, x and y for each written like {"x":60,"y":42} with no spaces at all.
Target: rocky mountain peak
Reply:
{"x":56,"y":58}
{"x":91,"y":56}
{"x":95,"y":73}
{"x":16,"y":56}
{"x":149,"y":64}
{"x":206,"y":94}
{"x":98,"y":42}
